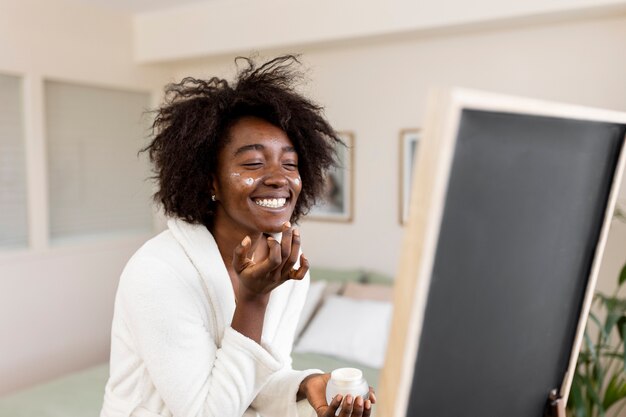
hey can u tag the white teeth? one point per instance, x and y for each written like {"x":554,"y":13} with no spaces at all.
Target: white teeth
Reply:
{"x":271,"y":202}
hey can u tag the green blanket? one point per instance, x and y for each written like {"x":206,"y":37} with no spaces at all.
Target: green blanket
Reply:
{"x":80,"y":394}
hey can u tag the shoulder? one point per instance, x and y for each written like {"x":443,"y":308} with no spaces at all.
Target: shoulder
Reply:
{"x":160,"y":266}
{"x":160,"y":252}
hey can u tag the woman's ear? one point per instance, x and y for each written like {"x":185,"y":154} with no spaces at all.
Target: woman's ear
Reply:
{"x":213,"y":188}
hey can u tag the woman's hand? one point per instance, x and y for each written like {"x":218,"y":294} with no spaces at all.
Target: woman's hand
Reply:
{"x":314,"y":388}
{"x":260,"y":278}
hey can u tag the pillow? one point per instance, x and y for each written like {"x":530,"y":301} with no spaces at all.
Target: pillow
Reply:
{"x":354,"y":330}
{"x":376,"y":292}
{"x":313,"y":299}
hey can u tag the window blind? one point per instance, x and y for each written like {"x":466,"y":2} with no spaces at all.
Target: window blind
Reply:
{"x":97,"y":183}
{"x":13,"y":210}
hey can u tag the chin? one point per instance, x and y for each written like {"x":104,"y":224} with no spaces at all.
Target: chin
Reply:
{"x":275,"y":226}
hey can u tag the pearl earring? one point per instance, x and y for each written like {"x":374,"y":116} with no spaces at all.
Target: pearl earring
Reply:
{"x":213,"y":197}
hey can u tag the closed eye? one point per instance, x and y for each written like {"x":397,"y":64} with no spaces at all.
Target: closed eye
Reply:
{"x":252,"y":164}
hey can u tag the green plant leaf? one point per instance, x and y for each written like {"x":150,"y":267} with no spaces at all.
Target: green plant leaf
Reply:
{"x":595,"y":319}
{"x":613,"y":304}
{"x":593,"y":395}
{"x":621,"y":327}
{"x":597,"y":372}
{"x":599,"y":384}
{"x":615,"y":391}
{"x":584,"y":358}
{"x":613,"y":355}
{"x":611,"y":320}
{"x":623,"y":332}
{"x":591,"y":348}
{"x":576,"y":402}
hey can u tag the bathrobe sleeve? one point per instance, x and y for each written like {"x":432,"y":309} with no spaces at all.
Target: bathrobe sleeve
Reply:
{"x":277,"y":398}
{"x":193,"y":372}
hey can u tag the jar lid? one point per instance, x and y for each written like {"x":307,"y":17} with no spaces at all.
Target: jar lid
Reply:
{"x":347,"y":374}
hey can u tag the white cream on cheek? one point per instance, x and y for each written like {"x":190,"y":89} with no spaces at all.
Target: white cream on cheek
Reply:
{"x":296,"y":183}
{"x":249,"y":182}
{"x":236,"y":177}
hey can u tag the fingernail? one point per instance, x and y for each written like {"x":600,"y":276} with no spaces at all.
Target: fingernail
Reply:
{"x":339,"y":397}
{"x":296,"y":232}
{"x":245,"y":241}
{"x":368,"y":404}
{"x":287,"y":225}
{"x":349,"y":399}
{"x":359,"y":402}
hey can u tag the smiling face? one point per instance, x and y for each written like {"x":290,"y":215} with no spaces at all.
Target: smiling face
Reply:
{"x":257,"y":182}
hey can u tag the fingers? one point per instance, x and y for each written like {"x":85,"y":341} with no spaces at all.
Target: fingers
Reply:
{"x":281,"y":258}
{"x":289,"y":251}
{"x":367,"y":408}
{"x":357,"y":407}
{"x":299,"y":273}
{"x":240,"y":256}
{"x":350,"y":407}
{"x":294,"y":251}
{"x":357,"y":410}
{"x":331,"y":411}
{"x":346,"y":406}
{"x":285,"y":242}
{"x":372,"y":395}
{"x":273,"y":260}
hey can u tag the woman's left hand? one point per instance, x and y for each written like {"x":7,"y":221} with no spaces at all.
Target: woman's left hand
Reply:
{"x":314,"y":388}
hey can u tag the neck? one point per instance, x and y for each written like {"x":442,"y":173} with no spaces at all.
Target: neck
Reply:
{"x":228,"y":239}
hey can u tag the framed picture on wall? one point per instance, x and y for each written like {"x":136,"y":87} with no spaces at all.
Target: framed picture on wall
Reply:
{"x":337,"y":203}
{"x":409,"y":143}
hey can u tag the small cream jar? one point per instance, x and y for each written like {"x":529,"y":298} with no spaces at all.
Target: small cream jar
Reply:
{"x":347,"y":381}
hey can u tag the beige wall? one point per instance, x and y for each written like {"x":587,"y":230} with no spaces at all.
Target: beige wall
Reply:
{"x":56,"y":303}
{"x":216,"y":27}
{"x":375,"y":89}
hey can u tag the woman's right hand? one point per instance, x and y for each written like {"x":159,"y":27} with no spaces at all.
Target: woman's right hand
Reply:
{"x":350,"y":407}
{"x":260,"y":277}
{"x":314,"y":388}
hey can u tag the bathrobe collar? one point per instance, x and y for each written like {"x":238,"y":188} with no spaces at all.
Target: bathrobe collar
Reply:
{"x":202,"y":250}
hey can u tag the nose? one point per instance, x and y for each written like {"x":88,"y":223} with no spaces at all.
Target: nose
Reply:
{"x":275,"y":177}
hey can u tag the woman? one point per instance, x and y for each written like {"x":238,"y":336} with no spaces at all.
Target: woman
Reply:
{"x":205,"y":312}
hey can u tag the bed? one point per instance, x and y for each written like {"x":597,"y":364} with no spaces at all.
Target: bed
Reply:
{"x":333,"y":292}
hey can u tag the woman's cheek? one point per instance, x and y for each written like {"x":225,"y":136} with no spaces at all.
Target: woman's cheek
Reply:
{"x":242,"y":181}
{"x":297,"y":183}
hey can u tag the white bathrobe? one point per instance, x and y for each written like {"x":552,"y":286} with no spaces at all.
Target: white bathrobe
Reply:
{"x":173,"y":352}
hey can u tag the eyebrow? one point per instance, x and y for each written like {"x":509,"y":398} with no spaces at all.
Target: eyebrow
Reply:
{"x":259,"y":147}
